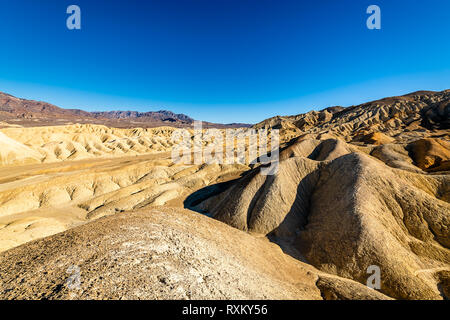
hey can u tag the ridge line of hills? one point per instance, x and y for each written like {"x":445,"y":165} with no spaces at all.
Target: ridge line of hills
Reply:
{"x":338,"y":110}
{"x":356,"y":187}
{"x":32,"y":113}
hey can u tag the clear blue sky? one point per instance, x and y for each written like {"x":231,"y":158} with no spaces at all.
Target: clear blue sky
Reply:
{"x":222,"y":60}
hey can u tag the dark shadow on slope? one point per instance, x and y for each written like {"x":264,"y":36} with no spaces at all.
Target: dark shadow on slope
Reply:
{"x":253,"y":203}
{"x":294,"y":222}
{"x":194,"y":199}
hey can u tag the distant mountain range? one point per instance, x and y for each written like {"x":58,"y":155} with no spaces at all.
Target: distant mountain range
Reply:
{"x":23,"y":112}
{"x":161,"y":115}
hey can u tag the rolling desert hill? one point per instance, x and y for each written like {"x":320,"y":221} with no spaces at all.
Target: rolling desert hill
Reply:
{"x":356,"y":187}
{"x":349,"y":212}
{"x":165,"y":253}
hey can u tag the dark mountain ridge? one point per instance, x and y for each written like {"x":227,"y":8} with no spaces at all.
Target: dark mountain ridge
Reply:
{"x":24,"y":112}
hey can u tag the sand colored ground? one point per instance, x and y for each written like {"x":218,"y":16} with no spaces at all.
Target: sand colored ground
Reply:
{"x":347,"y":213}
{"x":40,"y":200}
{"x":361,"y":186}
{"x":77,"y":142}
{"x":165,"y":253}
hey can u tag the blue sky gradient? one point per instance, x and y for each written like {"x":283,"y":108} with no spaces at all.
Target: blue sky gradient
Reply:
{"x":222,"y":60}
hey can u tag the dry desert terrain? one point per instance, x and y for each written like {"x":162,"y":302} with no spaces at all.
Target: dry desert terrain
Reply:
{"x":355,"y":187}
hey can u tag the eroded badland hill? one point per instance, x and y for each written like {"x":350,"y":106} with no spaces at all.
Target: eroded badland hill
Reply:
{"x":362,"y":186}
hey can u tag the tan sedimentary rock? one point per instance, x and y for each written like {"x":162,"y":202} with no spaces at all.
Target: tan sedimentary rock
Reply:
{"x":363,"y":186}
{"x":346,"y":214}
{"x":163,"y":253}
